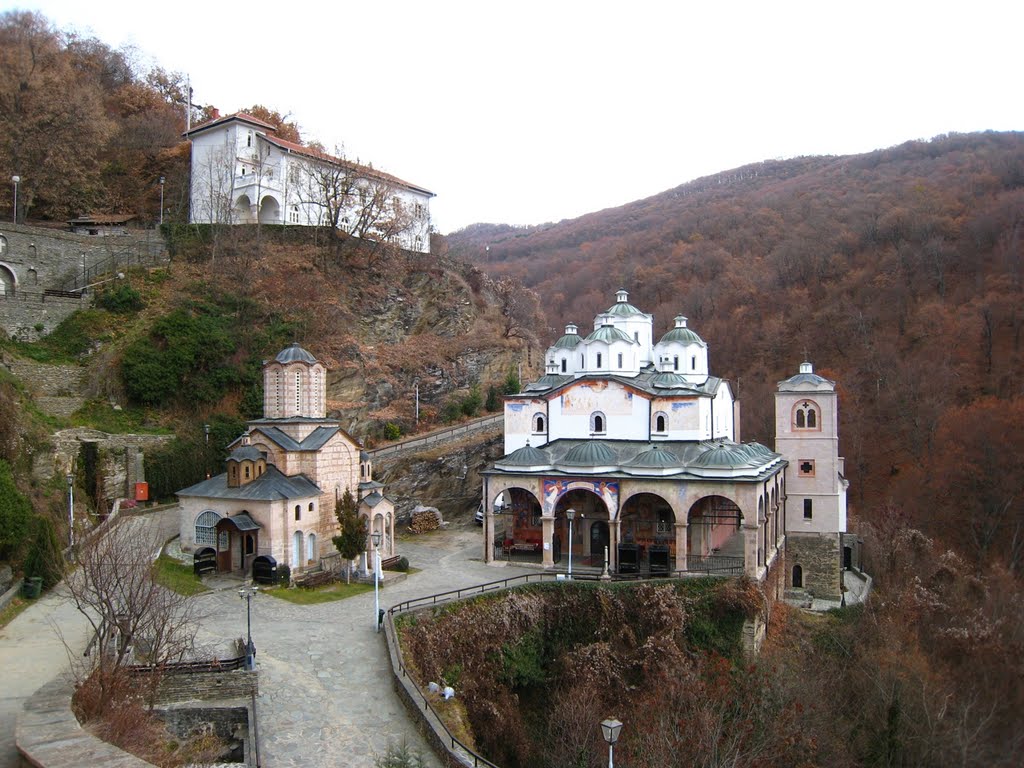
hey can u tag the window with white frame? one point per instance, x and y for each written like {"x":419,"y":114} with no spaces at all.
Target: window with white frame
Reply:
{"x":206,"y":528}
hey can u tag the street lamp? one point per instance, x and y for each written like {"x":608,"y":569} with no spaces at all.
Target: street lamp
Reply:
{"x":610,"y":730}
{"x":570,"y":514}
{"x":247,"y":592}
{"x":71,"y":510}
{"x":16,"y":179}
{"x":375,"y":538}
{"x":161,"y":199}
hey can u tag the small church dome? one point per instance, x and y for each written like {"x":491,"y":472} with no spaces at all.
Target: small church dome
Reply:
{"x":569,"y":340}
{"x":722,"y":456}
{"x":245,"y":453}
{"x":527,"y":456}
{"x":609,"y":333}
{"x":592,"y":453}
{"x":293,"y":354}
{"x":655,"y":456}
{"x":682,"y":334}
{"x":622,"y":307}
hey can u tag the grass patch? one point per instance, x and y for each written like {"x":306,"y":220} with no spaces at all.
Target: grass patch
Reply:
{"x":328,"y":593}
{"x":177,"y":577}
{"x":16,"y":606}
{"x":97,"y":414}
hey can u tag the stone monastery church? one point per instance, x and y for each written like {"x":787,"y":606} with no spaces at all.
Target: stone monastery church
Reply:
{"x":283,"y":478}
{"x":638,"y":439}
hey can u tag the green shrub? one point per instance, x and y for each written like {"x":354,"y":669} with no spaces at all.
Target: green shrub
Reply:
{"x":493,"y":402}
{"x":471,"y":402}
{"x":402,"y":565}
{"x":392,"y":431}
{"x":44,"y":558}
{"x":121,"y":300}
{"x":15,"y":514}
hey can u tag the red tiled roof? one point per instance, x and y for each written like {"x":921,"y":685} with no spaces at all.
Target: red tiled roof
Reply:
{"x":234,"y":116}
{"x":291,"y":146}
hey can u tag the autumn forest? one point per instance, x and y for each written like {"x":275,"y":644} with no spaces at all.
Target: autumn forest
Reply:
{"x":898,"y":273}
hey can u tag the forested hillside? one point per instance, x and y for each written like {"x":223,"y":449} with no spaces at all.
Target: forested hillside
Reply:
{"x":897,"y":272}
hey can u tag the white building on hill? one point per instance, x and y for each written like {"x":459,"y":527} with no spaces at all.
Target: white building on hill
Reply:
{"x":242,"y":173}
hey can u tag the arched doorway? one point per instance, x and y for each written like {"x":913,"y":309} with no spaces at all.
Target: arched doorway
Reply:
{"x":798,"y":577}
{"x":270,"y":211}
{"x":648,"y":524}
{"x":243,"y":210}
{"x":599,"y":540}
{"x":8,"y":282}
{"x":297,"y":549}
{"x":311,"y":553}
{"x":590,"y":531}
{"x":714,"y":535}
{"x":518,"y":530}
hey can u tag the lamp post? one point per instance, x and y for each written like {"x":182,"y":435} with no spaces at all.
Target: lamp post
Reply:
{"x":71,"y":510}
{"x":416,"y":383}
{"x":375,"y":538}
{"x":610,"y":730}
{"x":161,"y":199}
{"x":15,"y":179}
{"x":570,"y":514}
{"x":247,"y":592}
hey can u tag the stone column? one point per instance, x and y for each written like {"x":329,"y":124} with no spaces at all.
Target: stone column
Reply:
{"x":488,"y":536}
{"x":613,"y":545}
{"x":548,"y":525}
{"x":681,"y":543}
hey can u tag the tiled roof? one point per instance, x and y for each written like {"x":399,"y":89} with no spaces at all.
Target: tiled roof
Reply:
{"x":244,"y":117}
{"x":272,"y":485}
{"x":649,"y":381}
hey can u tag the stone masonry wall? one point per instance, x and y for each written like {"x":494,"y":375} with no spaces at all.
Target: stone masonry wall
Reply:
{"x":207,"y":686}
{"x":41,"y":258}
{"x":818,"y":556}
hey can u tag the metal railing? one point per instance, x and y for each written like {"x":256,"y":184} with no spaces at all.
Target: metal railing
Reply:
{"x":419,"y":442}
{"x":188,"y":667}
{"x":40,"y":297}
{"x":117,"y":262}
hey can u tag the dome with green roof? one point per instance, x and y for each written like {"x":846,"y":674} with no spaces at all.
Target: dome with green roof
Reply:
{"x":622,"y":307}
{"x":569,"y":340}
{"x":609,"y":333}
{"x":682,"y":334}
{"x":655,"y":457}
{"x":669,"y":380}
{"x":722,"y":456}
{"x":527,"y":456}
{"x":592,"y":453}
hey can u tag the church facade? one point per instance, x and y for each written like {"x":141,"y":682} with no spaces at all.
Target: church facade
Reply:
{"x":638,"y":439}
{"x":283,"y":478}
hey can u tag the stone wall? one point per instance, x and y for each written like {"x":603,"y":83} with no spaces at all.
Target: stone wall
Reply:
{"x":207,"y":686}
{"x":819,"y":557}
{"x":228,"y":723}
{"x":120,"y":458}
{"x":34,"y":259}
{"x":57,"y":389}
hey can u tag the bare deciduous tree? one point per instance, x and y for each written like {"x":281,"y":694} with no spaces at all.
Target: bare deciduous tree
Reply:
{"x":135,"y":619}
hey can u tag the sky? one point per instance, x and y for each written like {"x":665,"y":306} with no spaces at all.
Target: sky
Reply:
{"x":527,"y":112}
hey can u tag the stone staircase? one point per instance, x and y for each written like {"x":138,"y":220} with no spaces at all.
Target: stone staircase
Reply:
{"x":57,"y":389}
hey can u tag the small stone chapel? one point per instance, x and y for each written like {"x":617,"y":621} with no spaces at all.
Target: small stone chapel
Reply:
{"x":283,"y":478}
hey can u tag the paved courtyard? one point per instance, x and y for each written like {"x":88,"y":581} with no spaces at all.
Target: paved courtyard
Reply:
{"x":326,"y":696}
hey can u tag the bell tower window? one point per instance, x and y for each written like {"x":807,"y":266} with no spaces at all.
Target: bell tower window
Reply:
{"x":805,"y":416}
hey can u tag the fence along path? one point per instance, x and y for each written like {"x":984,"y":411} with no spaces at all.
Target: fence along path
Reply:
{"x":448,"y":435}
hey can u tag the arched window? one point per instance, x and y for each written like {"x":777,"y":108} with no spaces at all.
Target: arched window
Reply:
{"x":675,"y":363}
{"x":311,"y":506}
{"x":598,"y":359}
{"x":298,"y":391}
{"x":660,"y":422}
{"x":297,"y":549}
{"x":248,"y":472}
{"x":206,"y":528}
{"x":298,"y":511}
{"x":805,"y":415}
{"x":250,"y":544}
{"x":620,"y":360}
{"x":311,"y":547}
{"x":564,"y":365}
{"x":798,"y":577}
{"x":538,"y":422}
{"x":597,"y":422}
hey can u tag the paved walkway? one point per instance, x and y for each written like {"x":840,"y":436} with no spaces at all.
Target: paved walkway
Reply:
{"x":326,"y":697}
{"x":33,"y":650}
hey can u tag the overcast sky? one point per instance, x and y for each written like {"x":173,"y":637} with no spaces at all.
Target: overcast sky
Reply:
{"x":526,"y":112}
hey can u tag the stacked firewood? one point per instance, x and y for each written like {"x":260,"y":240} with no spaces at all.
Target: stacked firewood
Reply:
{"x":425,"y":519}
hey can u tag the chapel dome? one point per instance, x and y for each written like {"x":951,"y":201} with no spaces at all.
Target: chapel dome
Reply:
{"x":669,"y":380}
{"x":245,"y":453}
{"x":609,"y":333}
{"x":655,"y":456}
{"x":722,"y":456}
{"x":622,"y":307}
{"x":682,"y":334}
{"x":592,"y":453}
{"x":527,"y":456}
{"x":569,"y":340}
{"x":294,"y":354}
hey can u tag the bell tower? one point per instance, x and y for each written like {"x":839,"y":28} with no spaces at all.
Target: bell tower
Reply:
{"x":807,"y":434}
{"x":294,"y":385}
